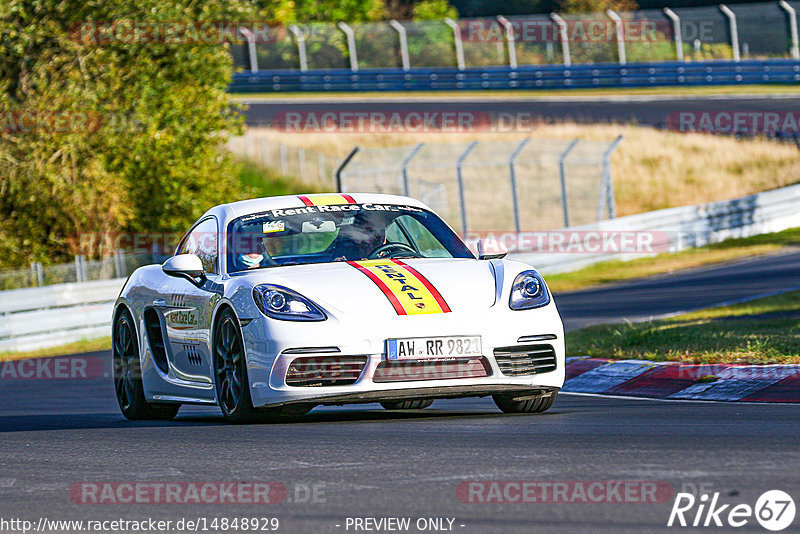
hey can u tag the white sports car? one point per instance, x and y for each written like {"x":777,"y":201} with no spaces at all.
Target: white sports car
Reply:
{"x":276,"y":305}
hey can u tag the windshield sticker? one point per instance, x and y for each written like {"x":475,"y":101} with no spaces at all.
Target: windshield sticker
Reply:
{"x":273,"y":226}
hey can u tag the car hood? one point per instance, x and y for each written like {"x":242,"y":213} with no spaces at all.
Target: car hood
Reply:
{"x":465,"y":285}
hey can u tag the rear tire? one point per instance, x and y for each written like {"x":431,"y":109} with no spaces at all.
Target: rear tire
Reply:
{"x":407,"y":405}
{"x":538,"y":404}
{"x":128,"y":375}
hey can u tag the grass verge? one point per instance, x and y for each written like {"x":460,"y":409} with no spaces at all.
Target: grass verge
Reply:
{"x":262,"y":182}
{"x":765,"y":89}
{"x":84,"y":345}
{"x":759,"y":332}
{"x":619,"y":271}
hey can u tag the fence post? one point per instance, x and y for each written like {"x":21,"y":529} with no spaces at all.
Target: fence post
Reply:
{"x":734,"y":29}
{"x":795,"y":49}
{"x":401,"y":34}
{"x":461,"y":199}
{"x":607,"y":185}
{"x":284,"y":160}
{"x":251,"y":48}
{"x":562,"y":34}
{"x":300,"y":37}
{"x":351,"y":45}
{"x":563,"y":179}
{"x":513,"y":176}
{"x":676,"y":29}
{"x":510,"y":41}
{"x":264,"y":153}
{"x":119,"y":257}
{"x":39,"y":273}
{"x":405,"y":163}
{"x":341,"y":167}
{"x":301,"y":160}
{"x":458,"y":42}
{"x":620,"y":35}
{"x":321,"y":167}
{"x":34,"y":278}
{"x":77,"y":268}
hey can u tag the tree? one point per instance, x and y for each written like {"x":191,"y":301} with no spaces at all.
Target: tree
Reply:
{"x":142,"y":121}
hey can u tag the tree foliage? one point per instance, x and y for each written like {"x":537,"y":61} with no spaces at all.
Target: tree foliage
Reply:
{"x":141,"y":150}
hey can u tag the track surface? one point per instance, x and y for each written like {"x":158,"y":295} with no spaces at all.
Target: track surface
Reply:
{"x":375,"y":464}
{"x":649,"y":110}
{"x":685,"y":291}
{"x":372,"y":463}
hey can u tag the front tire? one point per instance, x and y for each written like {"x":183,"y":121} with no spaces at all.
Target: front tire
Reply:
{"x":128,"y":375}
{"x":230,"y":371}
{"x":538,"y":404}
{"x":407,"y":405}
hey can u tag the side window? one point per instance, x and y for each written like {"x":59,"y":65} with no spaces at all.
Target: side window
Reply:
{"x":394,"y":234}
{"x":426,"y":242}
{"x":202,"y":242}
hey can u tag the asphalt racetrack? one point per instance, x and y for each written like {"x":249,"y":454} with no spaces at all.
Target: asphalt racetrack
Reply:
{"x":656,"y":111}
{"x":362,"y":462}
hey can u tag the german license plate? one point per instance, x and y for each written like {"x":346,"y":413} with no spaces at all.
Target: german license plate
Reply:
{"x":426,"y":348}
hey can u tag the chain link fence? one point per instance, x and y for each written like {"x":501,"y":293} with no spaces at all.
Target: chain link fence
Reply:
{"x":758,"y":31}
{"x":309,"y":166}
{"x":80,"y":270}
{"x":486,"y":186}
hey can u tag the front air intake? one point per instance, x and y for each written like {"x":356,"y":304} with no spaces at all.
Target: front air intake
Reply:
{"x":322,"y":371}
{"x":446,"y":369}
{"x":525,"y":359}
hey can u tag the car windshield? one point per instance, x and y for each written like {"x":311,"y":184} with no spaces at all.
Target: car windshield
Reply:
{"x":348,"y":232}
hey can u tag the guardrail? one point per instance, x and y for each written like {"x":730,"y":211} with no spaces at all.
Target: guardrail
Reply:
{"x":684,"y":227}
{"x":41,"y":317}
{"x":611,"y":75}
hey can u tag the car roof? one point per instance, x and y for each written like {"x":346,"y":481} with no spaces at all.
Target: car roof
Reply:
{"x":227,"y":212}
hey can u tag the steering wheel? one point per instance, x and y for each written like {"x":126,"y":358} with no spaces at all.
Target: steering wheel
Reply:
{"x":378,"y":252}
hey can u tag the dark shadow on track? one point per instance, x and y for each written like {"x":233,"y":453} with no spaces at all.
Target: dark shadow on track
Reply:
{"x":30,"y":423}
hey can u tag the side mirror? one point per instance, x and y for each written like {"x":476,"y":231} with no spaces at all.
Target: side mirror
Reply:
{"x":491,"y":249}
{"x":186,"y":266}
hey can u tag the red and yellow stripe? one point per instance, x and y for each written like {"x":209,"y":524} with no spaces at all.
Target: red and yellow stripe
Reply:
{"x":409,"y":292}
{"x":326,"y":200}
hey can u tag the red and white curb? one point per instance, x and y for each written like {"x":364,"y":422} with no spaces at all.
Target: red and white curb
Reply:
{"x":717,"y":382}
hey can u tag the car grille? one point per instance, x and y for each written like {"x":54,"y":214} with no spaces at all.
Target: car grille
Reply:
{"x":321,"y":371}
{"x":525,"y":359}
{"x":408,"y":371}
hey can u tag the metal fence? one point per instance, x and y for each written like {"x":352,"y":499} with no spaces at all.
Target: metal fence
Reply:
{"x":762,"y":30}
{"x":478,"y":186}
{"x":310,"y":166}
{"x":119,"y":265}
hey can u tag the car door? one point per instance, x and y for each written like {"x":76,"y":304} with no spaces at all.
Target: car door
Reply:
{"x":187,"y":308}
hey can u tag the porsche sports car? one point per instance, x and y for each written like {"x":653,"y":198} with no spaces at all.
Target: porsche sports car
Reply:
{"x":273,"y":306}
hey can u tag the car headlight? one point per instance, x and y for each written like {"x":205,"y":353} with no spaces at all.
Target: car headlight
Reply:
{"x":528,"y":291}
{"x":282,"y":303}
